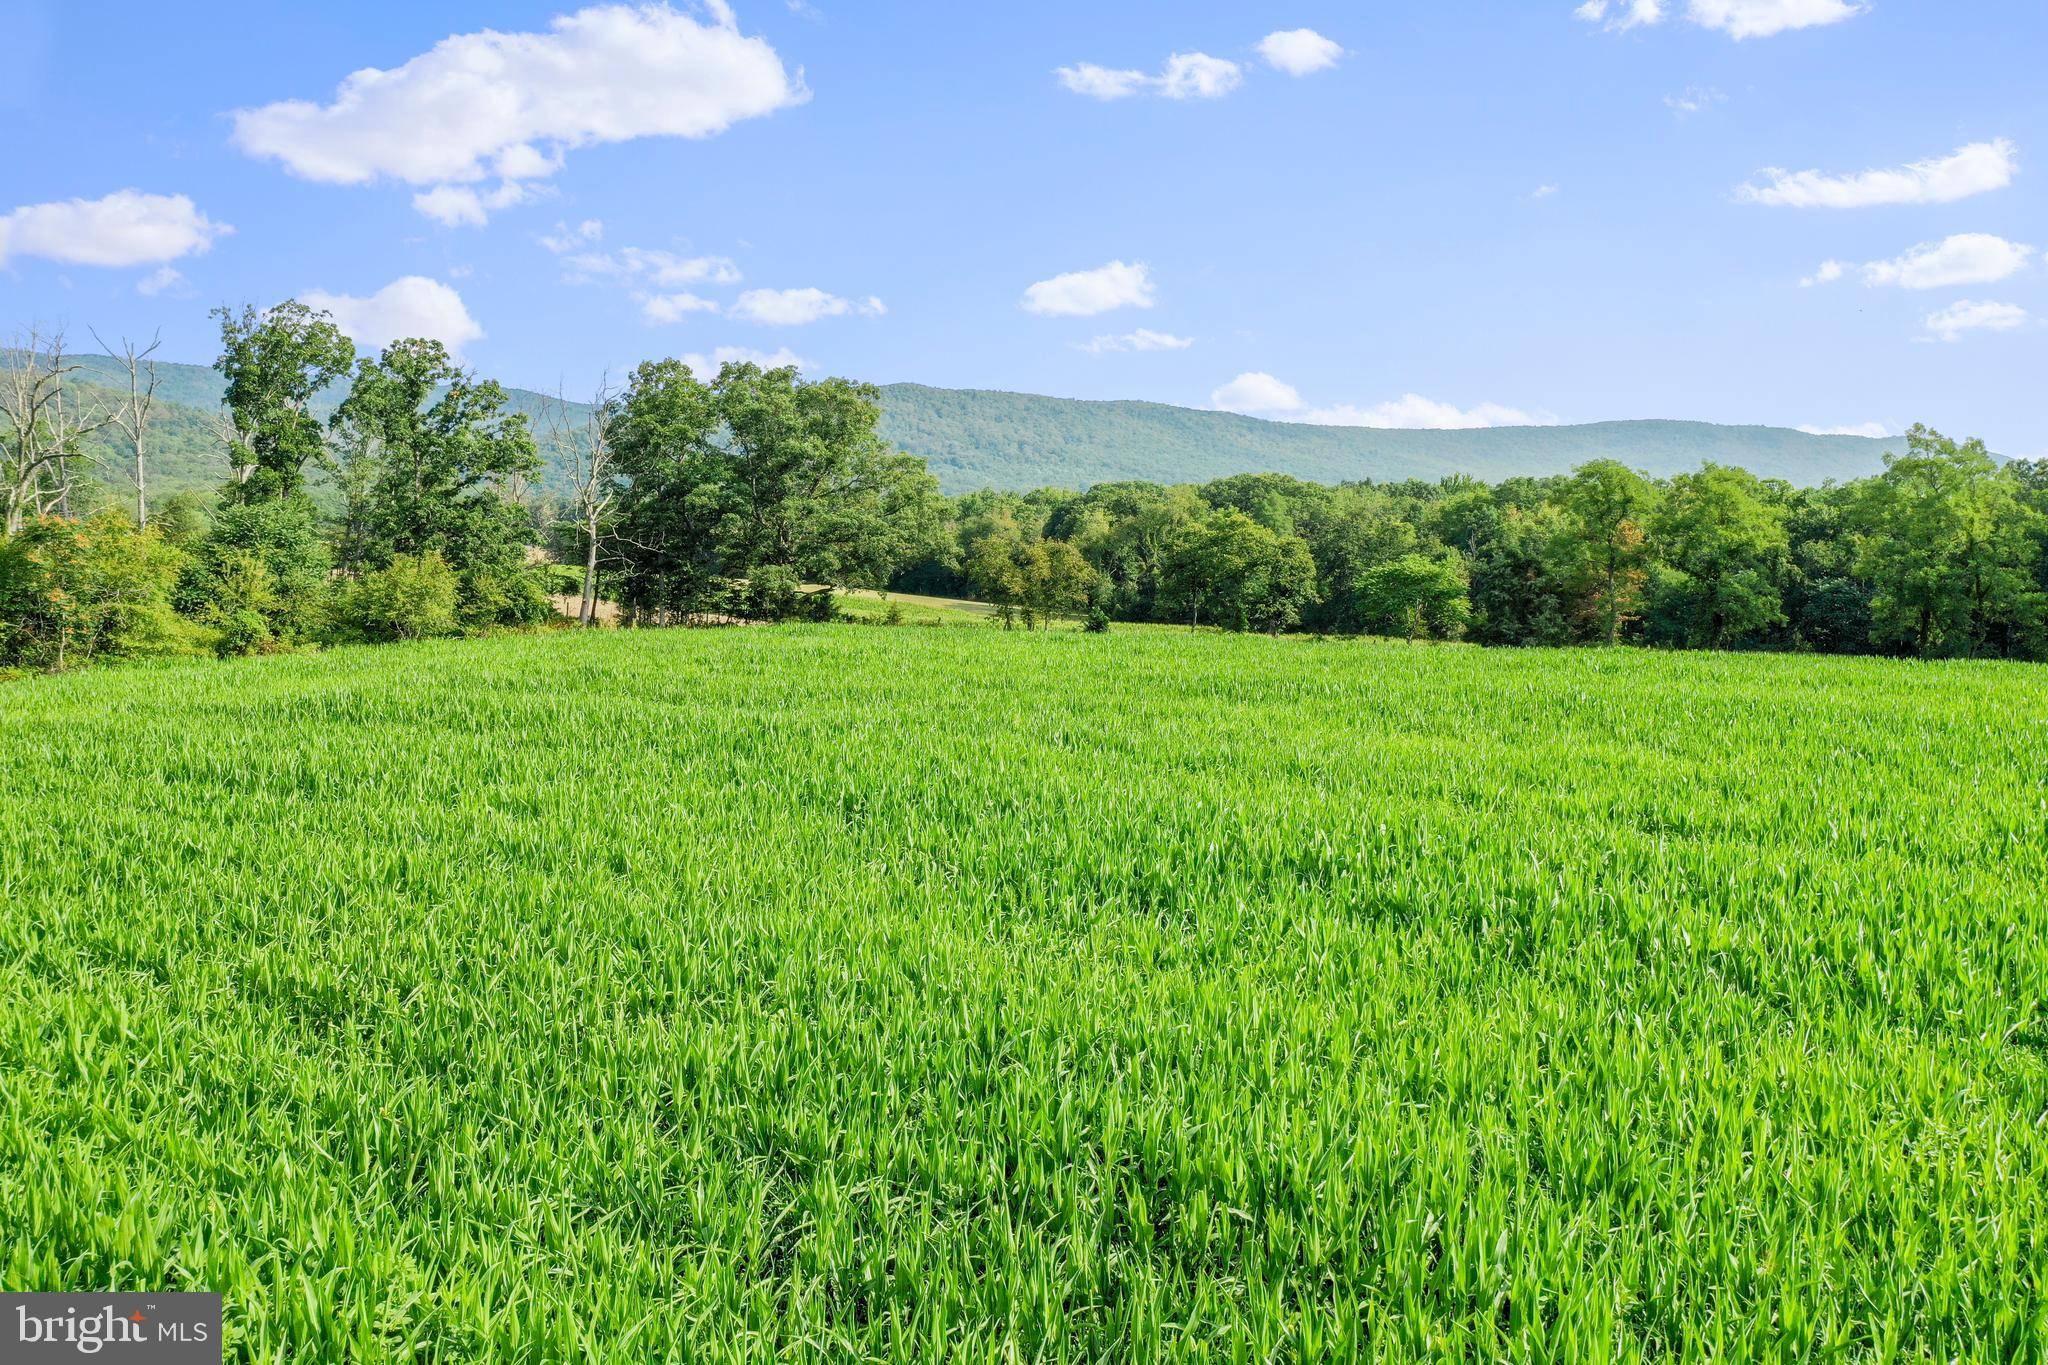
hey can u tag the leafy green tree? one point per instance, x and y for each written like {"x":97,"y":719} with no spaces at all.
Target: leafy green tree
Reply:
{"x":1242,"y":575}
{"x":811,"y":486}
{"x":1418,"y":596}
{"x":1602,"y":556}
{"x":1516,"y":596}
{"x":433,"y":454}
{"x":275,"y":364}
{"x":761,"y":474}
{"x":1950,"y":547}
{"x":1058,"y":580}
{"x":1724,"y":541}
{"x":675,"y":474}
{"x":260,"y":576}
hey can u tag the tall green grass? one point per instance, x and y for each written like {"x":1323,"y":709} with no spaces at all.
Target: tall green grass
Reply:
{"x":839,"y":994}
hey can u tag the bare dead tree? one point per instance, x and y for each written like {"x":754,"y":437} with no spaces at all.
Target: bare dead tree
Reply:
{"x":133,"y":412}
{"x":584,"y":449}
{"x":40,"y":431}
{"x":238,"y":440}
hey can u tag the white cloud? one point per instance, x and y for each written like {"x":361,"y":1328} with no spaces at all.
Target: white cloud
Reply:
{"x":1299,"y":51}
{"x":1198,"y":76}
{"x":1737,"y":18}
{"x":1257,"y":394}
{"x":1144,"y":339}
{"x":507,"y":106}
{"x":126,"y":228}
{"x":1411,"y":411}
{"x":1873,"y":430}
{"x":1952,"y":322}
{"x":565,"y":239}
{"x":1084,"y":293}
{"x":1966,"y":258}
{"x":163,"y":280}
{"x":1621,"y":14}
{"x":662,"y":269}
{"x":1975,"y":169}
{"x":1544,"y":191}
{"x":1102,"y":83}
{"x":1186,"y":76}
{"x":674,"y":307}
{"x":799,"y":307}
{"x":1697,"y":99}
{"x":1762,"y":18}
{"x":1829,"y":272}
{"x":413,"y":306}
{"x":707,"y":367}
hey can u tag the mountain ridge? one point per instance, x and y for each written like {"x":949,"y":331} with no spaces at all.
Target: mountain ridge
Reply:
{"x":994,"y":438}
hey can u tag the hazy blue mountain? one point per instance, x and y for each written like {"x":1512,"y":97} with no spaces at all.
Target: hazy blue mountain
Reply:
{"x":976,"y":438}
{"x":979,"y":439}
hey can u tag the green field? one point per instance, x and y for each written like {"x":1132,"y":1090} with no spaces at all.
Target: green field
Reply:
{"x":845,"y":993}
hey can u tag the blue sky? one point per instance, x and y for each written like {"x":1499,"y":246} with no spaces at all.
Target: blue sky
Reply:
{"x":1450,"y":211}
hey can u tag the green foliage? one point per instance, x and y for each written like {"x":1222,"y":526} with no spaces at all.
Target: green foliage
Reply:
{"x":97,"y":589}
{"x":260,"y":576}
{"x":275,"y":363}
{"x":411,"y":598}
{"x":1951,"y":546}
{"x":864,"y":995}
{"x":1231,"y":571}
{"x":760,"y":477}
{"x":1418,"y":597}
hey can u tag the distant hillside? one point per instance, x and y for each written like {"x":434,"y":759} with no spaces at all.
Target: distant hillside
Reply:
{"x":976,"y":438}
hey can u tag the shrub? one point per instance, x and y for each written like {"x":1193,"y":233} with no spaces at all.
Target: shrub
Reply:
{"x":71,"y":592}
{"x":412,"y":598}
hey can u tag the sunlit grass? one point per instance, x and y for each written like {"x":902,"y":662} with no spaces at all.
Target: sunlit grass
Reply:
{"x":835,"y":993}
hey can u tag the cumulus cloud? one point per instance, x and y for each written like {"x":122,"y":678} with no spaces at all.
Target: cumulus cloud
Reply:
{"x":1144,"y":339}
{"x":707,"y":366}
{"x":1411,"y":411}
{"x":1966,"y":258}
{"x":507,"y":107}
{"x":1737,"y":18}
{"x":1085,"y":293}
{"x":666,"y":308}
{"x":1957,"y":320}
{"x":1828,"y":273}
{"x":1974,"y":169}
{"x":125,"y":228}
{"x":1299,"y":51}
{"x":1186,"y":76}
{"x":412,"y":306}
{"x":1764,"y":18}
{"x":798,"y":307}
{"x":1258,"y":394}
{"x":1621,"y":14}
{"x":1873,"y":430}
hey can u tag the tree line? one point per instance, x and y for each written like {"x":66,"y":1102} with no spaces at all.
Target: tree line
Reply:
{"x":408,"y":510}
{"x":1944,"y":554}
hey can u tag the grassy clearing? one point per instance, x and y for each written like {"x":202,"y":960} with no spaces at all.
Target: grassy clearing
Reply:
{"x":823,"y":993}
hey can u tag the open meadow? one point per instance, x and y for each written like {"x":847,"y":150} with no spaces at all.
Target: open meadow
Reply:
{"x":822,"y":992}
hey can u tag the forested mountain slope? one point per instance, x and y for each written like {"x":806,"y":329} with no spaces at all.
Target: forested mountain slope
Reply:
{"x":975,"y":438}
